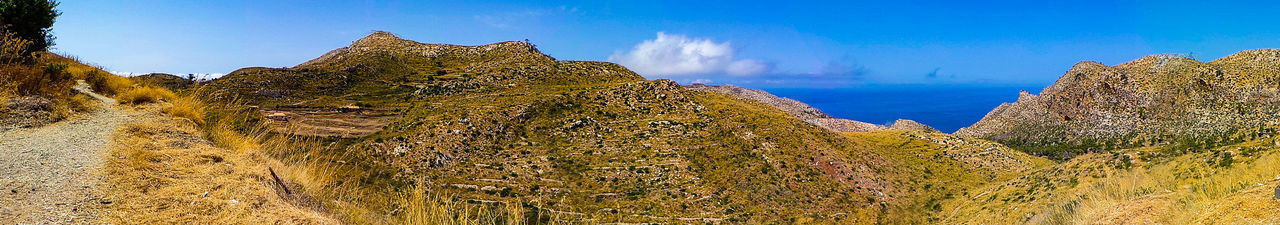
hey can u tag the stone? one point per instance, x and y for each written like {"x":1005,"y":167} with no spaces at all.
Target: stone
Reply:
{"x":1277,"y":192}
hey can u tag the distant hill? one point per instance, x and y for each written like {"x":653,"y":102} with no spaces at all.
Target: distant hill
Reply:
{"x":169,"y":81}
{"x":586,"y":141}
{"x":1155,"y":100}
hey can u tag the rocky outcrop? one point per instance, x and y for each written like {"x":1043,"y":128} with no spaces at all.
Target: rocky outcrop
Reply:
{"x":905,"y":124}
{"x":808,"y":113}
{"x":1148,"y":101}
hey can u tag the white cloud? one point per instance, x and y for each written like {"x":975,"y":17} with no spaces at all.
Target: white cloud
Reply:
{"x":675,"y":55}
{"x":122,"y":73}
{"x":701,"y":81}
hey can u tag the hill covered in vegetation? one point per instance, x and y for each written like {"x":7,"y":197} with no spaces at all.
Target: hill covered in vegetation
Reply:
{"x":507,"y":129}
{"x":1155,"y":100}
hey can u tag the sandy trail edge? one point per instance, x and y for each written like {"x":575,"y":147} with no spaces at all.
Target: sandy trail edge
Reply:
{"x":48,"y":174}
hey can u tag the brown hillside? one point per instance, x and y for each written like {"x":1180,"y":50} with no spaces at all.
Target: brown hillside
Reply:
{"x":503,"y":125}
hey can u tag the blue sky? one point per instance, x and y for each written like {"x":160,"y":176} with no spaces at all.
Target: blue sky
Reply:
{"x":750,"y":43}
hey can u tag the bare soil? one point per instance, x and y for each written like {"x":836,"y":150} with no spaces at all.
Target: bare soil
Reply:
{"x":48,"y":174}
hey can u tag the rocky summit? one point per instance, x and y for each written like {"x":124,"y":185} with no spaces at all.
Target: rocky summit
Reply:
{"x":1155,"y":100}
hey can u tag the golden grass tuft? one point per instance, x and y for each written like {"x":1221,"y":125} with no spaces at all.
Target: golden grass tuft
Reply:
{"x":187,"y":107}
{"x":146,"y":94}
{"x":161,"y":171}
{"x":106,"y":83}
{"x":418,"y":207}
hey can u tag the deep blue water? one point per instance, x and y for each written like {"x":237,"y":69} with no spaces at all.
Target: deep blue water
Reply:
{"x":945,"y":108}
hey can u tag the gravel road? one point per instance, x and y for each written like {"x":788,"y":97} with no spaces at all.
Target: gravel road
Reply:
{"x":48,"y":175}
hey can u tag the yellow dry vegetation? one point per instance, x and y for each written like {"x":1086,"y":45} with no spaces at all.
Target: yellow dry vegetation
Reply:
{"x":312,"y":173}
{"x":145,"y":94}
{"x":1231,"y":184}
{"x":187,"y":107}
{"x":163,"y":170}
{"x":164,"y":167}
{"x":107,"y":84}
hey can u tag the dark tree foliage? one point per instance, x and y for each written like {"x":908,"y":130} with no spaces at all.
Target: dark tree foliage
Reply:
{"x":30,"y":20}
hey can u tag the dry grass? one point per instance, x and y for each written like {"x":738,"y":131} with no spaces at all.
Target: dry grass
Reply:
{"x":307,"y":173}
{"x":107,"y":84}
{"x":146,"y":94}
{"x":331,"y":178}
{"x":418,"y":207}
{"x":12,"y":48}
{"x":1195,"y":188}
{"x":187,"y":107}
{"x":49,"y":80}
{"x":162,"y":171}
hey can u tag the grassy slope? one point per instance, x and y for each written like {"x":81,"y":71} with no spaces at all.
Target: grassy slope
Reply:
{"x":163,"y":170}
{"x":502,"y":124}
{"x":940,"y":167}
{"x":1227,"y":184}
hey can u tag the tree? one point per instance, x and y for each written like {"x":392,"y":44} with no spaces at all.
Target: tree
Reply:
{"x":30,"y":20}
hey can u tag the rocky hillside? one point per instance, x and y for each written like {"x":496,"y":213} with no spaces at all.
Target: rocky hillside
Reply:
{"x":808,"y":113}
{"x":1155,"y":100}
{"x":170,"y":81}
{"x":503,"y":124}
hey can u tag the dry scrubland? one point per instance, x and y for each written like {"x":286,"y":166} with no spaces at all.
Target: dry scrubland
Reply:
{"x":502,"y":134}
{"x":515,"y":136}
{"x":1231,"y":184}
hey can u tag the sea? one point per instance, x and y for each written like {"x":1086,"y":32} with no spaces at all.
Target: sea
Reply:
{"x":946,"y":108}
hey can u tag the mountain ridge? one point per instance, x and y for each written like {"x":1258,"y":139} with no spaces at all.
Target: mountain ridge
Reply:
{"x":504,"y":124}
{"x":1148,"y":101}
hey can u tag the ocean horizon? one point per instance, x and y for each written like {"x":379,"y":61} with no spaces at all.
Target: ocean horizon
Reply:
{"x":946,"y":108}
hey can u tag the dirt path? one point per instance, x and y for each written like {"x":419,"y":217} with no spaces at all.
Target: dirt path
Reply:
{"x":48,"y":174}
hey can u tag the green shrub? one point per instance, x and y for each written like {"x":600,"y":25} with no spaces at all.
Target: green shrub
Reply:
{"x":30,"y":20}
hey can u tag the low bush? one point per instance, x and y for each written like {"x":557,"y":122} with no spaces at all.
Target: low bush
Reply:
{"x":50,"y":80}
{"x":146,"y":94}
{"x":107,"y":84}
{"x":187,"y":107}
{"x":13,"y":49}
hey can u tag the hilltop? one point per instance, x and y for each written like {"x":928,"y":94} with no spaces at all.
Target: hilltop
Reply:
{"x":1155,"y":100}
{"x":506,"y":126}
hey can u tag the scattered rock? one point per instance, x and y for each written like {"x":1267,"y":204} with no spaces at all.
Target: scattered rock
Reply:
{"x":804,"y":111}
{"x":905,"y":124}
{"x":1153,"y":100}
{"x":278,"y":117}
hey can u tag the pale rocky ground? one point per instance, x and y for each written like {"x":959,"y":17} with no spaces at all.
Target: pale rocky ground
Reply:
{"x":48,"y":175}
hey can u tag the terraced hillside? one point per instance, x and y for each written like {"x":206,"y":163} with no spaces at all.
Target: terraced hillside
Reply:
{"x":504,"y":126}
{"x":1155,"y":100}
